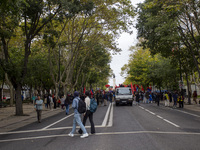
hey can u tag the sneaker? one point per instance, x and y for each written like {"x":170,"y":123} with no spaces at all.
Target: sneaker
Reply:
{"x":84,"y":135}
{"x":70,"y":134}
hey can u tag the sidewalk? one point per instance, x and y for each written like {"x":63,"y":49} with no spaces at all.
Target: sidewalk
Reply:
{"x":9,"y":122}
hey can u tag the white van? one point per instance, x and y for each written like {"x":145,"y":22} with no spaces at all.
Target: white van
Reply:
{"x":123,"y":95}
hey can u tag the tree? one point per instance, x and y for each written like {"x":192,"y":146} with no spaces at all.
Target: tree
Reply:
{"x":145,"y":69}
{"x":137,"y":68}
{"x":29,"y":17}
{"x":77,"y":38}
{"x":165,"y":25}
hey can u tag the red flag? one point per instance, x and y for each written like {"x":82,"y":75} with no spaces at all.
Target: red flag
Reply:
{"x":142,"y":88}
{"x":132,"y":88}
{"x":91,"y":92}
{"x":84,"y":90}
{"x":107,"y":85}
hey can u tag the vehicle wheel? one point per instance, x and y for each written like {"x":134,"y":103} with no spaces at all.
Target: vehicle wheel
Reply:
{"x":131,"y":104}
{"x":117,"y":104}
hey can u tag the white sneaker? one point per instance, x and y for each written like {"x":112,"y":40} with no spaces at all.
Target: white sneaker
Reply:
{"x":84,"y":135}
{"x":70,"y":134}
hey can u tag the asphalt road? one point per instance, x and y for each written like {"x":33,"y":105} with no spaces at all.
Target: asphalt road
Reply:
{"x":145,"y":127}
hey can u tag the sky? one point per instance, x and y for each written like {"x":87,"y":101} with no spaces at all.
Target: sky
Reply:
{"x":119,"y":60}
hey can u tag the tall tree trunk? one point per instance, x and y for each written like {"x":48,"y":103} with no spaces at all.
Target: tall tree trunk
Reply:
{"x":19,"y":106}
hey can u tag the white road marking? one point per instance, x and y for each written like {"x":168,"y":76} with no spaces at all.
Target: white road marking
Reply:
{"x":141,"y":107}
{"x":106,"y":133}
{"x":188,"y":113}
{"x":162,"y":118}
{"x":159,"y":117}
{"x":171,"y":123}
{"x":110,"y":122}
{"x":57,"y":121}
{"x":106,"y":116}
{"x":43,"y":130}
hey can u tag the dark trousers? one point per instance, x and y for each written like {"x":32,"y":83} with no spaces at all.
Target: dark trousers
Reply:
{"x":181,"y":104}
{"x":54,"y":105}
{"x":48,"y":105}
{"x":39,"y":113}
{"x":90,"y":115}
{"x":158,"y":102}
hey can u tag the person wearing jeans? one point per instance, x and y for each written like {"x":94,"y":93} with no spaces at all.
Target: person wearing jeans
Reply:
{"x":38,"y":107}
{"x":77,"y":118}
{"x":88,"y":114}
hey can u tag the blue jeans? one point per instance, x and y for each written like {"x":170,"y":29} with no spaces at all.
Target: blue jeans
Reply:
{"x":77,"y":119}
{"x":67,"y":109}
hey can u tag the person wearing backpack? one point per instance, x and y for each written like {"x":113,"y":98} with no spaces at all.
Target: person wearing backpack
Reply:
{"x":77,"y":118}
{"x":89,"y":112}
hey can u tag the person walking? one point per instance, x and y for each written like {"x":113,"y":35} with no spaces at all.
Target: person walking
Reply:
{"x":48,"y":101}
{"x":77,"y":118}
{"x":181,"y":101}
{"x":175,"y":97}
{"x":157,"y":99}
{"x":101,"y":98}
{"x":144,"y":97}
{"x":45,"y":101}
{"x":170,"y":97}
{"x":166,"y":97}
{"x":195,"y":96}
{"x":137,"y":98}
{"x":150,"y":98}
{"x":67,"y":104}
{"x":147,"y":96}
{"x":141,"y":96}
{"x":54,"y":101}
{"x":105,"y":99}
{"x":97,"y":97}
{"x":38,"y":107}
{"x":88,"y":114}
{"x":62,"y":102}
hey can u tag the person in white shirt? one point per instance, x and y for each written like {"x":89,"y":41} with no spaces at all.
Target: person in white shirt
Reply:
{"x":88,"y":114}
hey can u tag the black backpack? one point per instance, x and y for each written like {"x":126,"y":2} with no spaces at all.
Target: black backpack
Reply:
{"x":81,"y":106}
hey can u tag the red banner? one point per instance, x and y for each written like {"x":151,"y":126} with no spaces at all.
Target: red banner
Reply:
{"x":84,"y":90}
{"x":142,"y":88}
{"x":132,"y":88}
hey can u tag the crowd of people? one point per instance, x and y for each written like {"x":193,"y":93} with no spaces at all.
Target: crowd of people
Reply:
{"x":64,"y":101}
{"x":177,"y":98}
{"x":102,"y":98}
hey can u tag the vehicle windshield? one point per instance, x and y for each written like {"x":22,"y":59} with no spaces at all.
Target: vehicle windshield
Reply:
{"x":124,"y":91}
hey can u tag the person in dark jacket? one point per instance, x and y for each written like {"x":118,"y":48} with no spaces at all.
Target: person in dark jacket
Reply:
{"x":137,"y":97}
{"x":97,"y":97}
{"x":158,"y":98}
{"x":54,"y":101}
{"x":175,"y":97}
{"x":88,"y":114}
{"x":67,"y":103}
{"x":170,"y":97}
